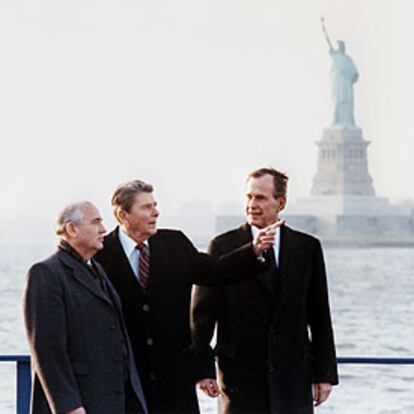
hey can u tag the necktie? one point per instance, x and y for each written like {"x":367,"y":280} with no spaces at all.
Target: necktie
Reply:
{"x":143,"y":265}
{"x":270,"y":255}
{"x":274,"y":276}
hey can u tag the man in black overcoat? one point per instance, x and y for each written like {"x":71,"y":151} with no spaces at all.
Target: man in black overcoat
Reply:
{"x":153,"y":272}
{"x":275,"y":347}
{"x":81,"y":355}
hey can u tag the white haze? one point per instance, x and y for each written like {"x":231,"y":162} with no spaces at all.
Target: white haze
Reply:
{"x":190,"y":95}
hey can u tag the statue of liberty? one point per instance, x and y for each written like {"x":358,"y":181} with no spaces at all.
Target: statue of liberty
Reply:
{"x":343,"y":76}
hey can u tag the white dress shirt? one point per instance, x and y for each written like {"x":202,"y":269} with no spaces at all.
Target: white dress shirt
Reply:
{"x":276,"y":246}
{"x":131,"y":252}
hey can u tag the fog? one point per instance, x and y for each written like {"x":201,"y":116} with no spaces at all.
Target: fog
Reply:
{"x":190,"y":96}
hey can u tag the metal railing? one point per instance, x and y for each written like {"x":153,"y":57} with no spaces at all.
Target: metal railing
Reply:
{"x":23,"y":381}
{"x":23,"y":376}
{"x":376,"y":360}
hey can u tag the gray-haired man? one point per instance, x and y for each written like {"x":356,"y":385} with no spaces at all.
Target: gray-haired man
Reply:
{"x":275,"y":346}
{"x":81,"y":354}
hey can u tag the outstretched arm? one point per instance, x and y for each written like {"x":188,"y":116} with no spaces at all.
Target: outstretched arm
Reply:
{"x":234,"y":266}
{"x":328,"y":40}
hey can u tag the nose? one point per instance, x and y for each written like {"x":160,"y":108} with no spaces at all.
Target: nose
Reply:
{"x":251,"y":203}
{"x":102,"y":229}
{"x":155,"y":212}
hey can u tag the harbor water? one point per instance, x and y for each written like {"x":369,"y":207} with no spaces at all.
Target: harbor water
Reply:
{"x":372,"y":302}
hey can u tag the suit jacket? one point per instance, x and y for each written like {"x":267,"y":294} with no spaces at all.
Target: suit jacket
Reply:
{"x":158,"y":319}
{"x":81,"y":354}
{"x":274,"y":331}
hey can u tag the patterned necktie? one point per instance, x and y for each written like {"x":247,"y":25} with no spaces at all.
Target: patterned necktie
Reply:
{"x":143,"y":264}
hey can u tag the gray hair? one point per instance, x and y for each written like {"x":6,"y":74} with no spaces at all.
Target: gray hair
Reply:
{"x":280,"y":180}
{"x":71,"y":214}
{"x":124,"y":195}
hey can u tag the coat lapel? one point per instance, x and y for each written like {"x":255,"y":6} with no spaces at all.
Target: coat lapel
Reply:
{"x":79,"y":272}
{"x":120,"y":265}
{"x":111,"y":290}
{"x":264,"y":276}
{"x":244,"y":234}
{"x":155,"y":261}
{"x":291,"y":258}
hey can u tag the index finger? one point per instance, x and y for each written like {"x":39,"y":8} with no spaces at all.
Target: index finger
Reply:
{"x":276,"y":224}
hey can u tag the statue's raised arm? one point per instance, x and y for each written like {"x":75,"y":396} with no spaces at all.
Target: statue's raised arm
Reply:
{"x":328,"y":40}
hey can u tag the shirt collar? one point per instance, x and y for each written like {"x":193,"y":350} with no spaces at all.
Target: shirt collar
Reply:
{"x":66,"y":247}
{"x":129,"y":245}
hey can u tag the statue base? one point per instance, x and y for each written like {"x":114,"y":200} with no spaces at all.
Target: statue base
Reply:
{"x":342,"y":164}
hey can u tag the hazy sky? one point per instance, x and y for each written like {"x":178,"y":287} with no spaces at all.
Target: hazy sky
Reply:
{"x":190,"y":95}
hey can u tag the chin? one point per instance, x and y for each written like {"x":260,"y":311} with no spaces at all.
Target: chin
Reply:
{"x":256,"y":223}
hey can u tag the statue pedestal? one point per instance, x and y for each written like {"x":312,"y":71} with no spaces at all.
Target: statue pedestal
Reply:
{"x":342,"y":207}
{"x":342,"y":164}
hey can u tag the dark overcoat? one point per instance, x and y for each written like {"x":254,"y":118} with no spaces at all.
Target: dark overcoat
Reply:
{"x":81,"y":354}
{"x":158,"y":320}
{"x":274,"y":335}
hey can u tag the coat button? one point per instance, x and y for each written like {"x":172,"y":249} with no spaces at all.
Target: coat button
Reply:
{"x":152,"y":376}
{"x":116,"y":359}
{"x":150,"y":341}
{"x":113,"y":327}
{"x":146,"y":307}
{"x":271,"y":368}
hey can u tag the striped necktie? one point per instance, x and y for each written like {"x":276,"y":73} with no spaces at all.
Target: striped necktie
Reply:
{"x":143,"y":264}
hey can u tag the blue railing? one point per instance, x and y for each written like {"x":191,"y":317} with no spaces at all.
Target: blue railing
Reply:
{"x":376,"y":361}
{"x":24,"y":378}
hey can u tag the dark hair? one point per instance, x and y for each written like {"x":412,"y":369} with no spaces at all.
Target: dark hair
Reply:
{"x":279,"y":180}
{"x":124,"y":195}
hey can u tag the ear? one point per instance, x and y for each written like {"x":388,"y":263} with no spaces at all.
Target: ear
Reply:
{"x":122,"y":216}
{"x":71,"y":230}
{"x":282,"y":202}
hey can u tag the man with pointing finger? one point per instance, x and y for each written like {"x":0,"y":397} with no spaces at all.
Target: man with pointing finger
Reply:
{"x":275,"y":349}
{"x":153,"y":271}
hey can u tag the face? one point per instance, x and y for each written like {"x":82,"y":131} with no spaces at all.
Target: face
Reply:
{"x":87,"y":235}
{"x":140,"y":223}
{"x":262,"y":209}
